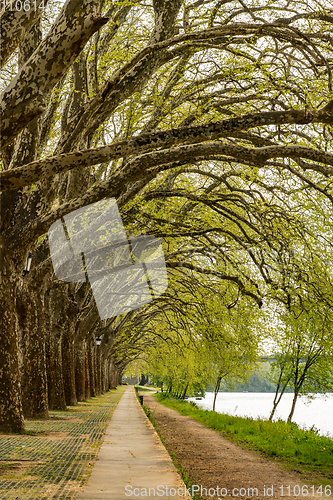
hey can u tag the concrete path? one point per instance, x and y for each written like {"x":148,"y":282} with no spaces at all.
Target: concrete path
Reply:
{"x":132,"y":462}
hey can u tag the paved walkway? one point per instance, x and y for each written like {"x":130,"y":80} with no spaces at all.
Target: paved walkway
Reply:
{"x":132,"y":462}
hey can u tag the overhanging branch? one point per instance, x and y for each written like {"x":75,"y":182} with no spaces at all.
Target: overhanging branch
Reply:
{"x":32,"y":172}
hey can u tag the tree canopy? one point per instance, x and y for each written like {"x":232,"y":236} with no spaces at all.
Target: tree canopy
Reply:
{"x":210,"y":123}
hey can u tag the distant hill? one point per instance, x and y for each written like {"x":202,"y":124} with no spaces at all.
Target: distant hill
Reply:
{"x":258,"y":382}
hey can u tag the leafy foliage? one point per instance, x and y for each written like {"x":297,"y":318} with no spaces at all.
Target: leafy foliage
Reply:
{"x":211,"y":124}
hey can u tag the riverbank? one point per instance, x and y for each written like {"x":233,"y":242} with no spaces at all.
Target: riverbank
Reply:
{"x":208,"y":459}
{"x":314,"y":411}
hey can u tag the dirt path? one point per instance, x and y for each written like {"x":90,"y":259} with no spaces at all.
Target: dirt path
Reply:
{"x":210,"y":461}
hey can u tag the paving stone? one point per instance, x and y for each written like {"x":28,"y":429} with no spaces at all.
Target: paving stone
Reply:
{"x":132,"y":462}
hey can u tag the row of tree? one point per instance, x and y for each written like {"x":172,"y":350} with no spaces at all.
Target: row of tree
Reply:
{"x":229,"y":352}
{"x":210,"y":123}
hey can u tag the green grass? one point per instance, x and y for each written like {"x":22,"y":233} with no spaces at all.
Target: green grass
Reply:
{"x":143,"y":389}
{"x":304,"y":448}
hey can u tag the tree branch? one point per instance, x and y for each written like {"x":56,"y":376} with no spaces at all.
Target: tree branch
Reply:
{"x":23,"y":99}
{"x":15,"y":25}
{"x":35,"y":171}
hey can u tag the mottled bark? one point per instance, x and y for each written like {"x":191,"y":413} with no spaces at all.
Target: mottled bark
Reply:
{"x":15,"y":25}
{"x":27,"y":143}
{"x":164,"y":139}
{"x":24,"y":98}
{"x":88,"y":370}
{"x":92,"y":367}
{"x":32,"y":351}
{"x":56,"y":392}
{"x":68,"y":363}
{"x":113,"y":375}
{"x":80,"y":371}
{"x":19,"y":293}
{"x":129,"y":79}
{"x":98,"y":372}
{"x":11,"y":414}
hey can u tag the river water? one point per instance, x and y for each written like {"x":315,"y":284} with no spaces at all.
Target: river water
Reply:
{"x":317,"y":412}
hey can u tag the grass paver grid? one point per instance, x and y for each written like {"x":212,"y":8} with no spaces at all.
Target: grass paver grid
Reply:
{"x":62,"y":462}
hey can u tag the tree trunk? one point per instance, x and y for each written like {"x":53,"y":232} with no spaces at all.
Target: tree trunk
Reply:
{"x":98,"y":372}
{"x":185,"y":391}
{"x":88,"y":369}
{"x":114,"y":375}
{"x":216,"y":390}
{"x":68,"y":362}
{"x":105,"y":375}
{"x":80,"y":371}
{"x":92,"y":357}
{"x":108,"y":374}
{"x":12,"y":255}
{"x":277,"y":397}
{"x":291,"y":414}
{"x":102,"y":363}
{"x":32,"y":349}
{"x":11,"y":413}
{"x":58,"y":302}
{"x":56,"y":391}
{"x":276,"y":401}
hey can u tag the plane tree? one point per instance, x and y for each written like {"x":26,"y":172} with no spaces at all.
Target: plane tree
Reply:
{"x":304,"y":359}
{"x":204,"y":119}
{"x":200,"y":332}
{"x":231,"y":340}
